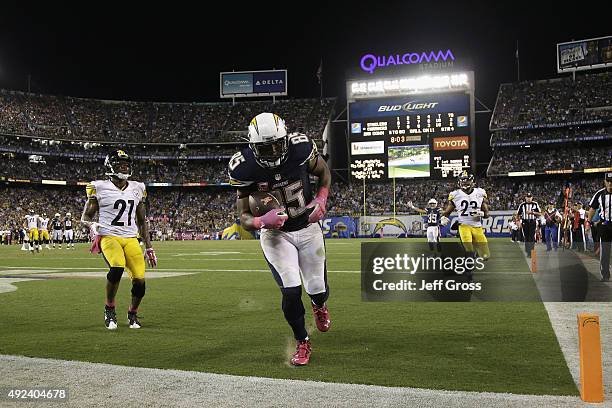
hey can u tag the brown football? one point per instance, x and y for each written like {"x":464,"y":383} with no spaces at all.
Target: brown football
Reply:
{"x":261,"y":202}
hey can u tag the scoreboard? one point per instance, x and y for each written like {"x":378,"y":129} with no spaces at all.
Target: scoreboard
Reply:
{"x":411,"y":136}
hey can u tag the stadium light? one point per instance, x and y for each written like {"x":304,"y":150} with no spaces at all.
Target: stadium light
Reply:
{"x":424,"y":83}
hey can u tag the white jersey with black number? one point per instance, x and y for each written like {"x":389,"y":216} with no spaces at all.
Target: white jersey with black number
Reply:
{"x":117,"y":208}
{"x":32,"y":221}
{"x":466,"y":203}
{"x":44,"y":223}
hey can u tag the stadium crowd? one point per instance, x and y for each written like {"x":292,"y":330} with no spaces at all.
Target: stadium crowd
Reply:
{"x":51,"y":116}
{"x":541,"y":158}
{"x":554,"y":102}
{"x":554,"y":135}
{"x":209,"y":210}
{"x":92,"y":150}
{"x":160,"y":171}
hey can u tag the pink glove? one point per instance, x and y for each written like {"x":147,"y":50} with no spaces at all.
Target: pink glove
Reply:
{"x":95,"y":238}
{"x":151,"y":257}
{"x":95,"y":244}
{"x":273,"y":219}
{"x":319,"y":203}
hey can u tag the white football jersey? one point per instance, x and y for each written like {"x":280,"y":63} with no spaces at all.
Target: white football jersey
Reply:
{"x":465,"y":203}
{"x":44,"y":223}
{"x":117,"y":208}
{"x":32,"y":221}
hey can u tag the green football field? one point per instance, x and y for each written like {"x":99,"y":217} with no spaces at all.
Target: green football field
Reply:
{"x":225,"y":317}
{"x":408,"y":170}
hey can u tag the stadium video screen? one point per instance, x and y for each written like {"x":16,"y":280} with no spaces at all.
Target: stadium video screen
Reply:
{"x":412,"y":136}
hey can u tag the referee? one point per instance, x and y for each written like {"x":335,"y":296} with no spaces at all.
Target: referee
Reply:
{"x":529,"y":211}
{"x":602,"y":200}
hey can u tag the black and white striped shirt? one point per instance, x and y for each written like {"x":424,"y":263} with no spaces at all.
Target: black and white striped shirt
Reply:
{"x":524,"y":209}
{"x":603,"y":200}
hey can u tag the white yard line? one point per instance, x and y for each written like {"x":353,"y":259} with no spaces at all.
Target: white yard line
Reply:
{"x":105,"y":385}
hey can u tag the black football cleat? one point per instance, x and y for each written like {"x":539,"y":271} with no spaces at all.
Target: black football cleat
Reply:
{"x":133,"y":320}
{"x":110,"y":318}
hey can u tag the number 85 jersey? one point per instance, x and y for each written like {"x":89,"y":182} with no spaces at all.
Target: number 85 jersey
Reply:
{"x":466,"y":203}
{"x":117,"y":208}
{"x":290,"y":180}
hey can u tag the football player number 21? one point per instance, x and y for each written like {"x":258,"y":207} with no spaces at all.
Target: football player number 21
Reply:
{"x":121,"y":205}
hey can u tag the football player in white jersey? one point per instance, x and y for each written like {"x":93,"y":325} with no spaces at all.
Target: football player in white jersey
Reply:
{"x":43,"y":233}
{"x":31,"y":226}
{"x":120,"y":204}
{"x":472,"y":206}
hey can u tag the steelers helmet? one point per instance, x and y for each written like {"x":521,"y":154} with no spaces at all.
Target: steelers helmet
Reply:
{"x":112,"y":161}
{"x":465,"y":181}
{"x":432,"y":203}
{"x":268,"y":139}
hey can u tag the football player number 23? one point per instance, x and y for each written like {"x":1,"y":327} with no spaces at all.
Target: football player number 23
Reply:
{"x":121,"y":205}
{"x":465,"y":207}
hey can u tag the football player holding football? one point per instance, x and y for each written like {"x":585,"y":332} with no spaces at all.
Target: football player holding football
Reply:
{"x":291,"y":237}
{"x":120,"y":204}
{"x":472,"y":206}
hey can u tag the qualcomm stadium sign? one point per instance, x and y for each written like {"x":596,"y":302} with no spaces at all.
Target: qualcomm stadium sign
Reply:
{"x":430,"y":59}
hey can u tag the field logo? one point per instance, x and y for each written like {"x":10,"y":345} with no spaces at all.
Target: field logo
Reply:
{"x":451,"y":143}
{"x":394,"y":222}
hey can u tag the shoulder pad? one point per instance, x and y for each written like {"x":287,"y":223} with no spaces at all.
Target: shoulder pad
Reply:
{"x":241,"y":168}
{"x":301,"y":148}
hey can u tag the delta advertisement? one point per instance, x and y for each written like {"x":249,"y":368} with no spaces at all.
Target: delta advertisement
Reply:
{"x":253,"y":83}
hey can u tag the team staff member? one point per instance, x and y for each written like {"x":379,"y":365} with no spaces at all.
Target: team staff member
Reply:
{"x":602,"y":201}
{"x":529,"y":211}
{"x":551,"y":229}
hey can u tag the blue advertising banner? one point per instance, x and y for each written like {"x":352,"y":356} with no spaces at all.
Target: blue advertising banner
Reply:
{"x":236,"y":83}
{"x":411,"y":104}
{"x":270,"y":82}
{"x":253,"y":83}
{"x":339,"y":227}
